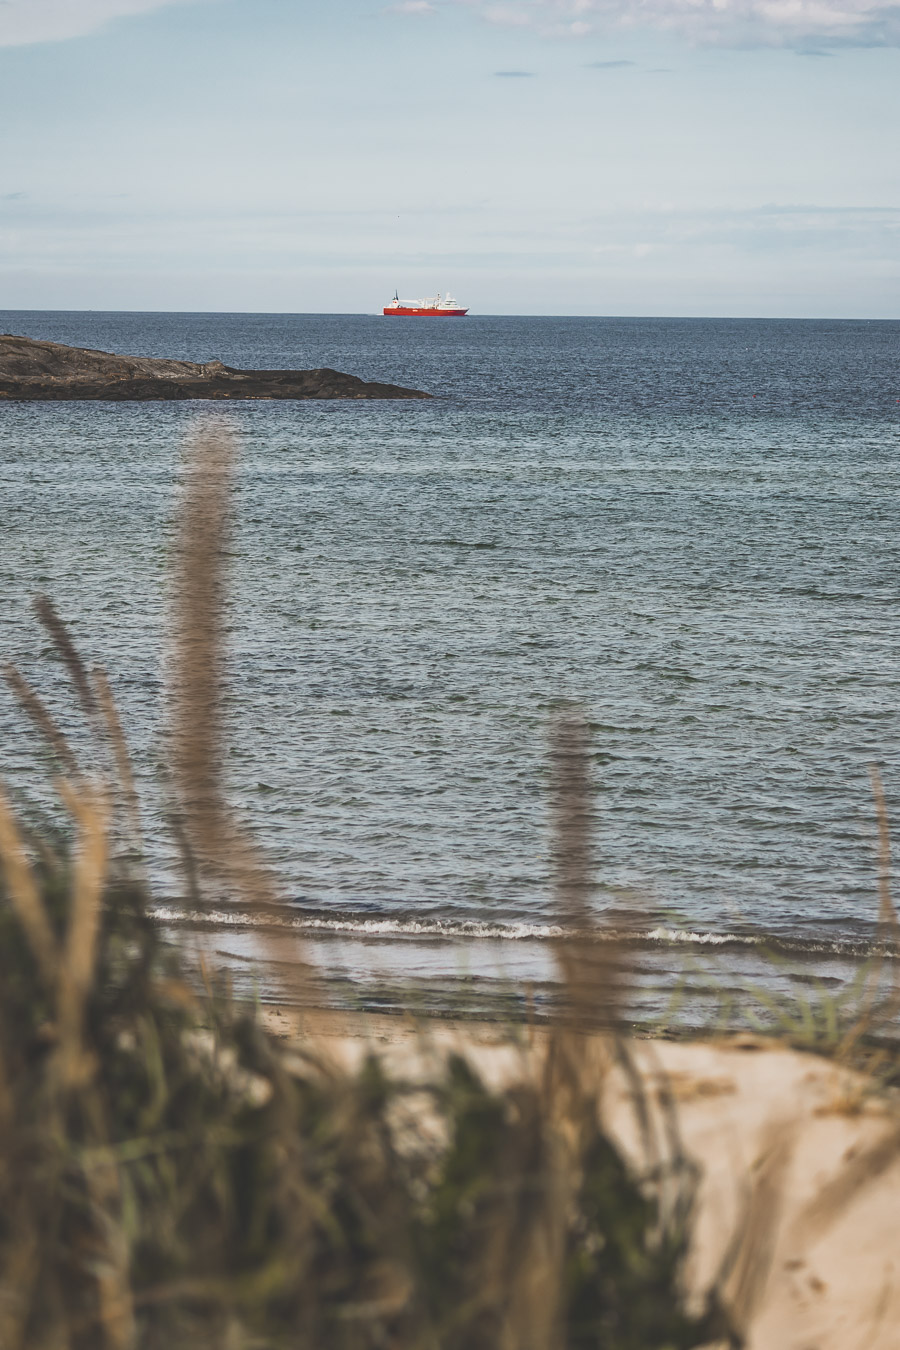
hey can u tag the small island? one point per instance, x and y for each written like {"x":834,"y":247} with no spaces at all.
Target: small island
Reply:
{"x":32,"y":370}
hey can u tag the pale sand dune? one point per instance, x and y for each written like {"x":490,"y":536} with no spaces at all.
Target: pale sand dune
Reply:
{"x":799,"y":1157}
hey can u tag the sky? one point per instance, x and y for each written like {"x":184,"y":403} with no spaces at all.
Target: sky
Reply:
{"x":584,"y":157}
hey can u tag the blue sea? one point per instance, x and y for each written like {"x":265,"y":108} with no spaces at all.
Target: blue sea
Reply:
{"x":688,"y":528}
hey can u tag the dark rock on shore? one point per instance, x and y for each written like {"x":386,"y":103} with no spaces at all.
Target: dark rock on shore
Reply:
{"x":49,"y":370}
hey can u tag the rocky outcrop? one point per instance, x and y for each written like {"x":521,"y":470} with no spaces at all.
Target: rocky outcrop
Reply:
{"x":49,"y":370}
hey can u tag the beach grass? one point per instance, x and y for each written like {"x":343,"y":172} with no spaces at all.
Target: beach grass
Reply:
{"x":174,"y":1176}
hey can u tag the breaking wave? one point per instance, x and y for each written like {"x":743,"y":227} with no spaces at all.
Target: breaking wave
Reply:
{"x":366,"y":927}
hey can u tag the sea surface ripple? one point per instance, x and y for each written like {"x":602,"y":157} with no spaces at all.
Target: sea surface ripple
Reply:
{"x":687,"y":527}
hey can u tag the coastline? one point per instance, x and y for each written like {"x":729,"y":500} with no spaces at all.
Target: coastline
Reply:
{"x":36,"y":371}
{"x":680,"y":982}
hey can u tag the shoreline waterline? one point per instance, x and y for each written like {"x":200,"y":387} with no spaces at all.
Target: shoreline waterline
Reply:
{"x":677,"y":981}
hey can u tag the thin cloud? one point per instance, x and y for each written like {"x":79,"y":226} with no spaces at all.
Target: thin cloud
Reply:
{"x":509,"y":16}
{"x":798,"y":24}
{"x":608,"y":65}
{"x":411,"y":7}
{"x":515,"y":74}
{"x":23,"y":22}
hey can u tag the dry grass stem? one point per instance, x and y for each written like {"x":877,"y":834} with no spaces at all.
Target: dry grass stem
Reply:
{"x":858,"y":1174}
{"x":213,"y":843}
{"x":89,"y":809}
{"x":121,"y":758}
{"x":59,"y":636}
{"x":888,"y":931}
{"x":590,"y":961}
{"x":743,"y":1277}
{"x":40,"y":716}
{"x":24,"y":894}
{"x":198,"y":641}
{"x":887,"y":914}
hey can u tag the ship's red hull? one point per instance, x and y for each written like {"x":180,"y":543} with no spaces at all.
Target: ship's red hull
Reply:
{"x":413,"y":312}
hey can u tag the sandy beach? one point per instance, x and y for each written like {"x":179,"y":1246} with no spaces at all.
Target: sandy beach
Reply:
{"x":799,"y":1159}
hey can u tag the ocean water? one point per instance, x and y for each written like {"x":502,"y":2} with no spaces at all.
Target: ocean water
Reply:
{"x":687,"y":527}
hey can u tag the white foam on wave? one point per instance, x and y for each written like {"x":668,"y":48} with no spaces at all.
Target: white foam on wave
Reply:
{"x":685,"y":935}
{"x":352,"y":926}
{"x":442,"y":928}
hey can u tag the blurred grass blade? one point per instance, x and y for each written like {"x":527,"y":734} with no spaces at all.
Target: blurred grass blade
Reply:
{"x":59,"y":636}
{"x":887,"y":914}
{"x":89,"y":810}
{"x":121,"y":757}
{"x":40,"y":716}
{"x":211,"y":840}
{"x":744,"y":1275}
{"x":198,"y":641}
{"x":590,"y":960}
{"x":888,"y":934}
{"x":859,"y":1173}
{"x":24,"y":894}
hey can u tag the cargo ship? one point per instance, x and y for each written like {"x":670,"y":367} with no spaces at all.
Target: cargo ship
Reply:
{"x":443,"y":305}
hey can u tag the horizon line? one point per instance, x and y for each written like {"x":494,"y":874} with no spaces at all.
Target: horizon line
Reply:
{"x":376,"y":314}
